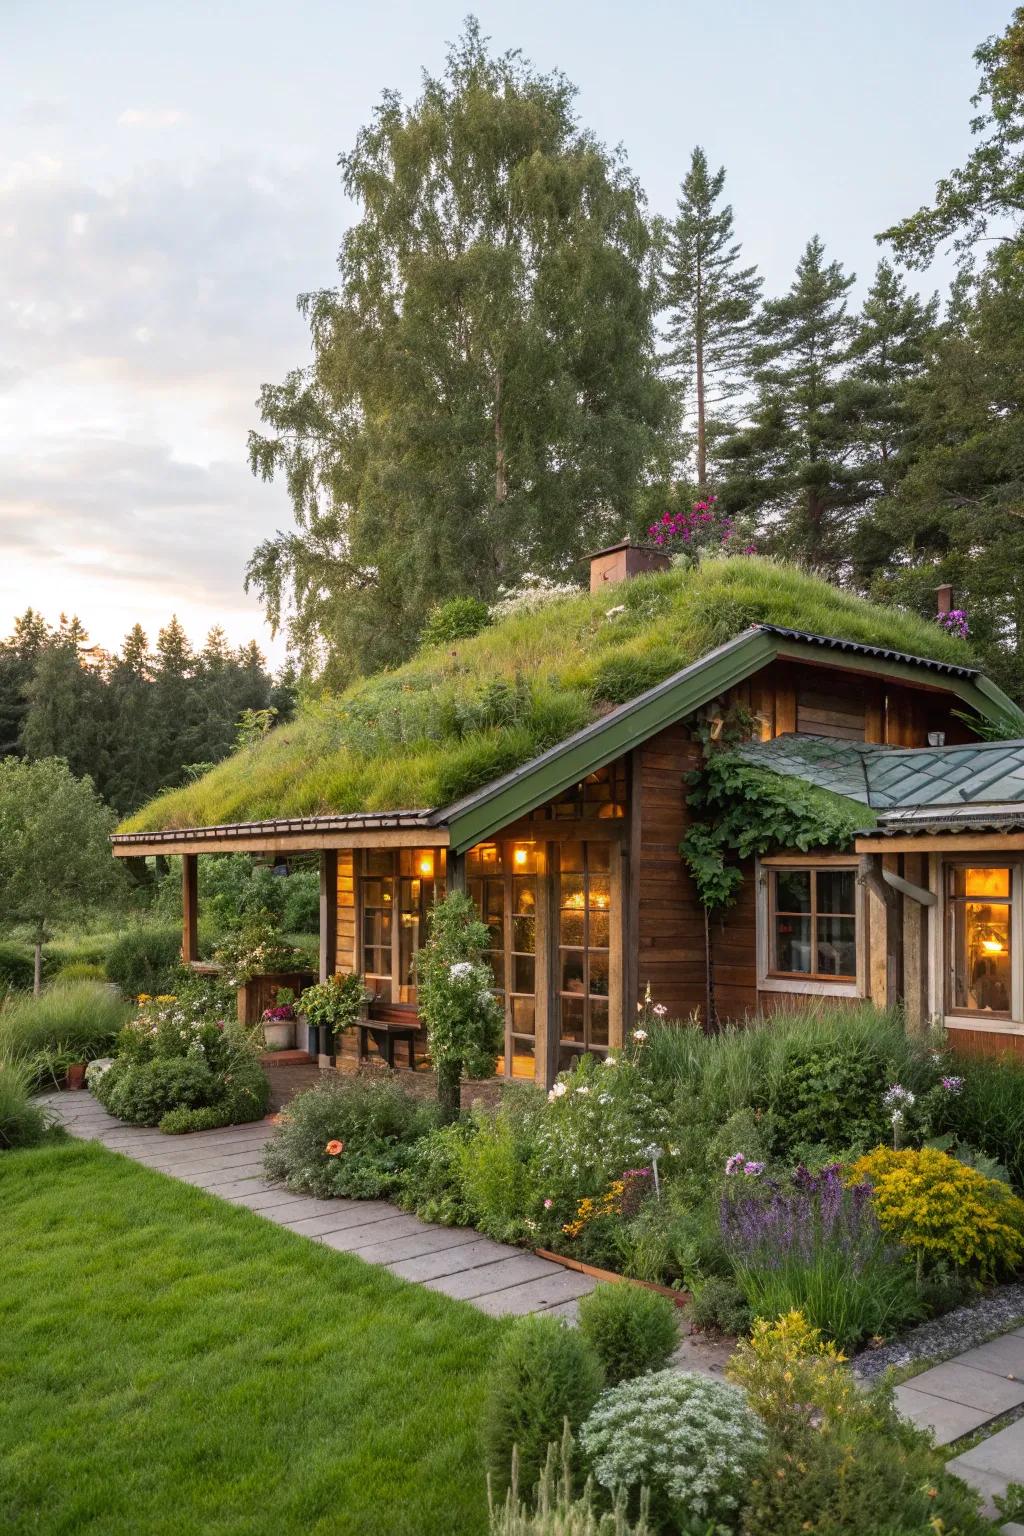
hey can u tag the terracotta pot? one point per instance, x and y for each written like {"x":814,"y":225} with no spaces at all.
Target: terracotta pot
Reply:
{"x":75,"y":1076}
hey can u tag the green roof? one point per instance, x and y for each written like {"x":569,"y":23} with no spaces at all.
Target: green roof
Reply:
{"x":567,"y":685}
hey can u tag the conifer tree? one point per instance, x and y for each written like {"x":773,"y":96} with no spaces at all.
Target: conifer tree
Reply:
{"x":794,"y":467}
{"x":712,"y":301}
{"x":888,"y":352}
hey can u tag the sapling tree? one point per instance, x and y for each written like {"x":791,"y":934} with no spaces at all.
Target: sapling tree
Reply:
{"x":462,"y":1016}
{"x":54,"y":851}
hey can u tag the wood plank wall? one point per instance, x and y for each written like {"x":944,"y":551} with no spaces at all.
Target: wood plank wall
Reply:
{"x":346,"y":959}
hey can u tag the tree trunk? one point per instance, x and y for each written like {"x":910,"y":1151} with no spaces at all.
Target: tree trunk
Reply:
{"x":500,"y":471}
{"x":702,"y":435}
{"x":449,"y":1092}
{"x":37,"y":978}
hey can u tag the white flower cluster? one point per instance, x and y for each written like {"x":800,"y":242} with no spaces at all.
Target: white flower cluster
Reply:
{"x":692,"y":1441}
{"x":533,"y":592}
{"x":460,"y":970}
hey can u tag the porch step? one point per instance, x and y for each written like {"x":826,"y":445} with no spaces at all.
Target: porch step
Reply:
{"x":286,"y":1059}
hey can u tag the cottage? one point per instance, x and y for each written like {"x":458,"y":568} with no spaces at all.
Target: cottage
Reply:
{"x":545,"y":766}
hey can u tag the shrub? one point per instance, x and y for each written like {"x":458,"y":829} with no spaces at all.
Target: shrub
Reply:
{"x":145,"y":960}
{"x":77,"y":970}
{"x":720,"y":1306}
{"x":693,"y":1442}
{"x":243,"y":1097}
{"x":64,"y":1024}
{"x":431,"y":1184}
{"x":793,"y":1378}
{"x":942,"y":1210}
{"x":631,"y":1330}
{"x":457,"y":619}
{"x":464,"y":1020}
{"x":301,"y":912}
{"x":543,"y":1374}
{"x":814,"y":1245}
{"x":988,"y":1112}
{"x":142,"y":1092}
{"x":497,"y":1168}
{"x":23,"y":1123}
{"x":347,"y":1136}
{"x":839,"y":1084}
{"x":17,"y":971}
{"x":557,"y":1511}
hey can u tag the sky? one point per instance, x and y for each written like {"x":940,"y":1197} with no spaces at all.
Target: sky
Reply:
{"x":169,"y":185}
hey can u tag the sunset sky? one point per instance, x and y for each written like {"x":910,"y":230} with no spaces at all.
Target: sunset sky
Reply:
{"x":168,"y":185}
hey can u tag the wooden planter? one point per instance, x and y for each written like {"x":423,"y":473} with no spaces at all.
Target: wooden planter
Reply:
{"x":259,"y":993}
{"x":679,"y":1297}
{"x":75,"y":1075}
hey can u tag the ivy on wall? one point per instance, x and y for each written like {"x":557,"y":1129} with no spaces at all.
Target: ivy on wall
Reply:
{"x":745,"y":810}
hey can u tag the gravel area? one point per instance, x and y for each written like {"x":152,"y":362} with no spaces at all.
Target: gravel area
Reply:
{"x":948,"y":1335}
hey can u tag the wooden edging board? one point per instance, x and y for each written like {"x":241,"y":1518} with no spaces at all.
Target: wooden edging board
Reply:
{"x":679,"y":1297}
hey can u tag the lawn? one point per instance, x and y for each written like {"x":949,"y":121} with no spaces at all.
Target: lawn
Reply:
{"x":173,"y":1364}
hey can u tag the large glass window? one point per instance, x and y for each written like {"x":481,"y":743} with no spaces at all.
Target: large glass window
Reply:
{"x":601,"y":796}
{"x":813,"y":925}
{"x":502,"y":879}
{"x":980,"y":928}
{"x":584,"y":903}
{"x":397,"y":889}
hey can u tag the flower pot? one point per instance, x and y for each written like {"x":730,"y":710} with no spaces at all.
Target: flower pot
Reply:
{"x":306,"y":1038}
{"x":75,"y":1075}
{"x":325,"y":1055}
{"x":279,"y":1035}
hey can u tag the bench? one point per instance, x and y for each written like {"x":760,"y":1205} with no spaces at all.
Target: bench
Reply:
{"x":385,"y":1033}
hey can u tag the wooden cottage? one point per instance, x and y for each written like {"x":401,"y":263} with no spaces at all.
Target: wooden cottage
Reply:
{"x":573,"y":856}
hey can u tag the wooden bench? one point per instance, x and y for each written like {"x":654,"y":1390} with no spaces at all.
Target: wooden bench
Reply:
{"x":385,"y":1033}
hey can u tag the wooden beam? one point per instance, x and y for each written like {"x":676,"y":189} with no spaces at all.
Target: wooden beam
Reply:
{"x":918,"y":893}
{"x":883,"y":933}
{"x":992,"y":843}
{"x":292,"y":842}
{"x":455,"y":872}
{"x":617,"y":885}
{"x":545,"y":1039}
{"x":328,"y":913}
{"x":189,"y":908}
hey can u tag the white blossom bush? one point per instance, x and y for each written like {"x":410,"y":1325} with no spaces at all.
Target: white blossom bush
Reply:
{"x":693,"y":1442}
{"x":533,"y":592}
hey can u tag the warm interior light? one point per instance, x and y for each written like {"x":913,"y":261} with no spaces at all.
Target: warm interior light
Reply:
{"x":427,"y":865}
{"x":520,"y":856}
{"x":992,"y":947}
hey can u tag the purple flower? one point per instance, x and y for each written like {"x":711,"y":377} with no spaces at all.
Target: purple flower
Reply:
{"x":735,"y":1163}
{"x":753,"y":1169}
{"x":953,"y":1084}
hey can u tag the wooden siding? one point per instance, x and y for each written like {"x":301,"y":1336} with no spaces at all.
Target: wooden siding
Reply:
{"x":346,"y":953}
{"x":986,"y":1042}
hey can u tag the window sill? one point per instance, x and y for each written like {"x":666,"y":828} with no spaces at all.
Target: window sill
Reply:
{"x":984,"y":1025}
{"x":808,"y":988}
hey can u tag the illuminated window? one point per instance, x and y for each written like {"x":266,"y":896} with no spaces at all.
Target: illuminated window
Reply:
{"x":812,"y":923}
{"x":584,"y":901}
{"x":601,"y":796}
{"x":397,"y":887}
{"x":979,"y":911}
{"x":502,"y":880}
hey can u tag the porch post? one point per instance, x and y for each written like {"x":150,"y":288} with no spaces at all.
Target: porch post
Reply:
{"x":884,"y":937}
{"x":328,"y":912}
{"x":454,"y":871}
{"x":189,"y":907}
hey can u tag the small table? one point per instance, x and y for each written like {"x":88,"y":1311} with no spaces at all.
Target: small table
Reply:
{"x":385,"y":1032}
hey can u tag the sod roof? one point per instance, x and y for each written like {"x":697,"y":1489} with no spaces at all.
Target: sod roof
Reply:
{"x":455,"y":718}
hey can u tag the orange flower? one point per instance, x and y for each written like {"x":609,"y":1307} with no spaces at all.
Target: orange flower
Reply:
{"x":334,"y":1148}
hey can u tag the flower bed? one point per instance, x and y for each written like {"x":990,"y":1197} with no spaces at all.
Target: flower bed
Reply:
{"x":755,"y":1169}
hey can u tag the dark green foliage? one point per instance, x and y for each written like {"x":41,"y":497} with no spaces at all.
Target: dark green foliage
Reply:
{"x":631,"y":1330}
{"x":432,"y":1183}
{"x":143,"y":1092}
{"x":543,"y":1374}
{"x":145,"y":959}
{"x":301,"y":912}
{"x":456,"y":619}
{"x":23,"y":1123}
{"x":988,"y":1112}
{"x":464,"y":1022}
{"x":375,"y":1121}
{"x":823,"y":1089}
{"x":16,"y":968}
{"x":245,"y":1098}
{"x":719,"y":1306}
{"x":750,"y":810}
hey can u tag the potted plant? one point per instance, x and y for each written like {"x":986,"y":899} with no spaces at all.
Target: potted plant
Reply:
{"x":331,"y":1007}
{"x":279,"y":1022}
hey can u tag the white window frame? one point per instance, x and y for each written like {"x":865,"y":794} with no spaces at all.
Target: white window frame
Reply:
{"x":854,"y":987}
{"x":938,"y":938}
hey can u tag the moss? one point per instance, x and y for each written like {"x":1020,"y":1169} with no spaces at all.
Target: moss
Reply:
{"x":440,"y":725}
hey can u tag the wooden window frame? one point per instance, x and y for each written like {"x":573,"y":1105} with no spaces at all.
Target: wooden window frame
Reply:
{"x":395,"y":879}
{"x":586,"y":1046}
{"x":947,"y":869}
{"x":816,"y":983}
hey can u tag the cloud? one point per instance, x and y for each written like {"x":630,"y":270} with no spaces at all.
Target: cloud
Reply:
{"x":150,"y":117}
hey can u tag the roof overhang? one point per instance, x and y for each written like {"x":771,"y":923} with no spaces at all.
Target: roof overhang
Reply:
{"x":486,"y":811}
{"x":985,"y":827}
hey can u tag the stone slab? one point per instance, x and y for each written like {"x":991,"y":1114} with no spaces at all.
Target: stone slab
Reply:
{"x":1012,"y":1528}
{"x":341,"y":1214}
{"x":485,"y":1279}
{"x":232,"y":1187}
{"x":966,"y":1384}
{"x":331,"y":1223}
{"x":293,"y":1208}
{"x":988,"y":1484}
{"x":447,"y":1261}
{"x":947,"y":1420}
{"x":1001,"y":1455}
{"x":432,"y":1240}
{"x":535,"y":1295}
{"x":272,"y":1200}
{"x":354,"y":1238}
{"x":1004,"y":1356}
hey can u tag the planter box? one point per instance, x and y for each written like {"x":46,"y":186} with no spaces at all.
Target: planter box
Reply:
{"x":259,"y":993}
{"x":679,"y":1297}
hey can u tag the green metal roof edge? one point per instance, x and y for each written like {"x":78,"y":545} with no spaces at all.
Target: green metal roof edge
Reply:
{"x":481,"y":814}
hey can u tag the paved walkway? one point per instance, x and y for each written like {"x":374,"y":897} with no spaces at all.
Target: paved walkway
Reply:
{"x":456,"y":1261}
{"x":960,"y":1397}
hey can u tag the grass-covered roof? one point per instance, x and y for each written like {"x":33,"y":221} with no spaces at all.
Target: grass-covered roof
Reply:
{"x":455,"y":717}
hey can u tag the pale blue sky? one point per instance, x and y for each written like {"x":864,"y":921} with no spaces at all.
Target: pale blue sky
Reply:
{"x":168,"y":184}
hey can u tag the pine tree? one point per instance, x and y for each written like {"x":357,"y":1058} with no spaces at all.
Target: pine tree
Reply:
{"x":18,"y":657}
{"x":793,"y":468}
{"x":888,"y":352}
{"x":712,"y":301}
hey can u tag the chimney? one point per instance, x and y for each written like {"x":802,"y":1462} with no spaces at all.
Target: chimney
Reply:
{"x":945,"y":598}
{"x":621,"y":561}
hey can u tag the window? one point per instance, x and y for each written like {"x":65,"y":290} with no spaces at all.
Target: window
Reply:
{"x":979,"y":915}
{"x":812,"y":923}
{"x":584,"y":901}
{"x":601,"y":796}
{"x":502,"y":880}
{"x":397,"y":889}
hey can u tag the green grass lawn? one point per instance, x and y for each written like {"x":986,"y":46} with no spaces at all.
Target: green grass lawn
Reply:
{"x":173,"y":1364}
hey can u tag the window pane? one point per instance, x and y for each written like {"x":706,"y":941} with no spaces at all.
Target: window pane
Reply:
{"x":981,"y":957}
{"x":598,"y":1023}
{"x":599,"y":973}
{"x":570,"y":857}
{"x":522,"y":1058}
{"x":982,"y":882}
{"x":376,"y":893}
{"x":792,"y":890}
{"x":377,"y":928}
{"x":571,"y":927}
{"x":523,"y":1015}
{"x":836,"y":890}
{"x":572,"y":1018}
{"x":793,"y":945}
{"x":496,"y":961}
{"x":597,"y":857}
{"x":378,"y":862}
{"x":525,"y":858}
{"x":571,"y":970}
{"x":484,"y":859}
{"x":524,"y":895}
{"x":382,"y":988}
{"x":837,"y":946}
{"x":523,"y":935}
{"x":599,"y":929}
{"x":573,"y":893}
{"x":522,"y":974}
{"x":598,"y":892}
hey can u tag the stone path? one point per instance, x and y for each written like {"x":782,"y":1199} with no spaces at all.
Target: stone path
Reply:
{"x":961,"y":1396}
{"x":458,"y":1262}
